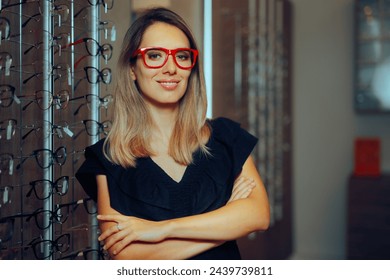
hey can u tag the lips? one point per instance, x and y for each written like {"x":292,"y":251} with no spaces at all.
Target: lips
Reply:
{"x":169,"y":85}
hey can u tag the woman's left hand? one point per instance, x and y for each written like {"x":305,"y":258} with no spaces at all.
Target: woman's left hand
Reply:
{"x":128,"y":229}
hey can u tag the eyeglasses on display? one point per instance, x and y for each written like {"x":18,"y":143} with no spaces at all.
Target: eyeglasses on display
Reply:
{"x":90,"y":99}
{"x":63,"y":210}
{"x":95,"y":75}
{"x":93,"y":48}
{"x":8,"y":96}
{"x":6,"y":163}
{"x":44,"y":218}
{"x":44,"y":129}
{"x":60,"y":245}
{"x":59,"y":100}
{"x":94,"y":128}
{"x":43,"y":189}
{"x":46,"y":158}
{"x":86,"y":254}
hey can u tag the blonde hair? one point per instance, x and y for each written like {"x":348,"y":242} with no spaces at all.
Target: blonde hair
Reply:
{"x":132,"y":122}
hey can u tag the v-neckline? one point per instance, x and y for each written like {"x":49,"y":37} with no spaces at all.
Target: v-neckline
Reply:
{"x":165,"y":174}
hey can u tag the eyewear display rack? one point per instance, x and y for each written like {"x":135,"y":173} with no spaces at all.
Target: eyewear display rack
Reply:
{"x":253,"y":76}
{"x":54,"y":57}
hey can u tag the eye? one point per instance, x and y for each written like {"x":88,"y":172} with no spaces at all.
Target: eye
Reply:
{"x":155,"y":55}
{"x":183,"y":55}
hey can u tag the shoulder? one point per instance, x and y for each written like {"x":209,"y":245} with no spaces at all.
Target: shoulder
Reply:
{"x":223,"y":122}
{"x":95,"y":150}
{"x":226,"y":130}
{"x":224,"y":126}
{"x":233,"y":140}
{"x":97,"y":147}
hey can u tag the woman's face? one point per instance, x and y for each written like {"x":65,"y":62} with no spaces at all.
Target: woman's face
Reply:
{"x":163,"y":86}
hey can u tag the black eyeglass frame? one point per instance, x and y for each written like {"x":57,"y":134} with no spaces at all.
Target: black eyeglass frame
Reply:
{"x":55,"y":188}
{"x":54,"y":158}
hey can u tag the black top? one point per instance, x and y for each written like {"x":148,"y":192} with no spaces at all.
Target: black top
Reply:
{"x":147,"y":192}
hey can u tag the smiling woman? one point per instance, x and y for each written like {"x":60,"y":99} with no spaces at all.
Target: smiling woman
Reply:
{"x":169,"y":183}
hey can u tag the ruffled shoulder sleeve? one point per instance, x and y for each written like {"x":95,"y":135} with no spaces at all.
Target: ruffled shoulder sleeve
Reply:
{"x":238,"y":142}
{"x":95,"y":163}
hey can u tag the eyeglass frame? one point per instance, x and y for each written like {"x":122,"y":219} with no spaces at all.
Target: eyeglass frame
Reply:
{"x":103,"y":101}
{"x":53,"y":218}
{"x":102,"y":255}
{"x":53,"y":243}
{"x":53,"y":73}
{"x":100,"y":127}
{"x":168,"y":52}
{"x":100,"y":75}
{"x":71,"y":208}
{"x":53,"y":157}
{"x":54,"y":186}
{"x":53,"y":99}
{"x":7,"y":36}
{"x":55,"y":41}
{"x":13,"y":95}
{"x":9,"y":5}
{"x":10,"y":158}
{"x":55,"y":129}
{"x":100,"y":49}
{"x":102,"y":2}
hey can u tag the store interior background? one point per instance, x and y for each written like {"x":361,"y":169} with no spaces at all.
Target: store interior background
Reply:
{"x":325,"y":124}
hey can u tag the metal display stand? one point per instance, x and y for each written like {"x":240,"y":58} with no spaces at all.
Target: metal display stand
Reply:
{"x":50,"y":87}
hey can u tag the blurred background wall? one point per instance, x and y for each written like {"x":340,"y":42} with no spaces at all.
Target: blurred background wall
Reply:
{"x":324,"y":122}
{"x":325,"y":125}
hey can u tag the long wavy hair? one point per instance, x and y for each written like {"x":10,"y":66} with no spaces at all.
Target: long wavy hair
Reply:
{"x":130,"y":134}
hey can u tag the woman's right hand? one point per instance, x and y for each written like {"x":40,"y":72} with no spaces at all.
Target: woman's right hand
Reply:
{"x":242,"y":188}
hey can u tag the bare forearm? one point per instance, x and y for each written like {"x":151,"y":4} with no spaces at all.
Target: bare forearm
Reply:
{"x":169,"y":249}
{"x":232,"y":221}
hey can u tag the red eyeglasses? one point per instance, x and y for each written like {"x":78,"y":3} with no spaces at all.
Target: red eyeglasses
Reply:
{"x":153,"y":57}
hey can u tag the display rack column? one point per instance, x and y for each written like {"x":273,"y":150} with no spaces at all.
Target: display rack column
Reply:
{"x":94,"y":115}
{"x":47,"y":84}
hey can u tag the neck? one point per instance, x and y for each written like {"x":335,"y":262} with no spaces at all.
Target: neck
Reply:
{"x":164,"y":118}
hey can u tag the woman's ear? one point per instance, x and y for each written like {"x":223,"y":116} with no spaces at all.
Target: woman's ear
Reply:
{"x":132,"y":73}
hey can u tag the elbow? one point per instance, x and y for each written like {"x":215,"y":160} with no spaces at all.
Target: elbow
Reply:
{"x":258,"y":218}
{"x":263,"y":220}
{"x":264,"y":224}
{"x":122,"y":255}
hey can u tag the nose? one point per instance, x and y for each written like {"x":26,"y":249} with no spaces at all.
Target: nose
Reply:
{"x":170,"y":65}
